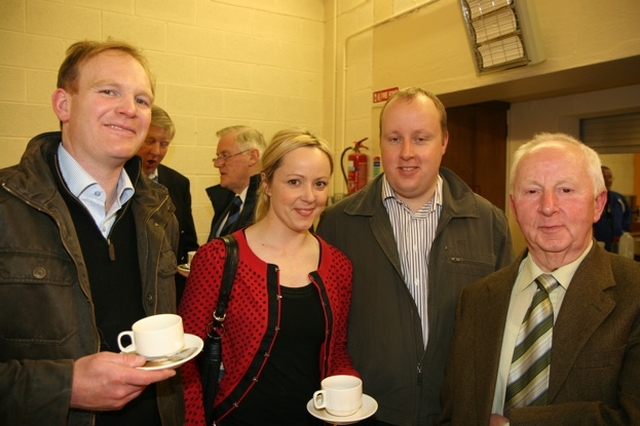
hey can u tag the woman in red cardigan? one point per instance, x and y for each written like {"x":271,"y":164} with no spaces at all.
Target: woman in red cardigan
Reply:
{"x":285,"y":328}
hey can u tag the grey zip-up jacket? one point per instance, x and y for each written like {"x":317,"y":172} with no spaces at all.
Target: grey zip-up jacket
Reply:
{"x":385,"y":331}
{"x":46,"y":308}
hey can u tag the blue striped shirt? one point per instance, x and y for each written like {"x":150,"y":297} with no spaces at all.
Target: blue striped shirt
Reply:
{"x":414,"y":234}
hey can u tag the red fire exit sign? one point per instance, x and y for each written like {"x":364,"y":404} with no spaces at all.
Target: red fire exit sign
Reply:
{"x":383,"y":95}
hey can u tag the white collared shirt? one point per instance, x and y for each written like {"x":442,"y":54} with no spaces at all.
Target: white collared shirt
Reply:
{"x":154,"y":175}
{"x":521,"y":296}
{"x":414,"y":233}
{"x":86,"y":189}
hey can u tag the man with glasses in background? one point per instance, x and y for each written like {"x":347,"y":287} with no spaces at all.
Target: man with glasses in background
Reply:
{"x":238,"y":160}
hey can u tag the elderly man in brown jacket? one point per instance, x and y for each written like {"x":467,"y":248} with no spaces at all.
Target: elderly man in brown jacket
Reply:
{"x":587,"y":359}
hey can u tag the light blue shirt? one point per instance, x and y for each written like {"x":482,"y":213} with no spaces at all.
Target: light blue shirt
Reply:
{"x":86,"y":189}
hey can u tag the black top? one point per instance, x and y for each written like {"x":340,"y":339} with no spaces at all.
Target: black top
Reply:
{"x":116,"y":293}
{"x":293,"y":372}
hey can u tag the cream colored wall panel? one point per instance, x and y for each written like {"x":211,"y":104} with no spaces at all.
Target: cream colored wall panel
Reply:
{"x":59,"y":20}
{"x":12,"y":150}
{"x":40,"y":86}
{"x":185,"y":129}
{"x":13,"y":15}
{"x":171,"y":68}
{"x":182,"y":11}
{"x":220,"y":16}
{"x":120,"y":6}
{"x":359,"y":77}
{"x":206,"y":127}
{"x":277,"y":81}
{"x":310,"y":9}
{"x":357,"y":104}
{"x":355,"y":20}
{"x":347,"y":6}
{"x":199,"y":184}
{"x":400,"y":6}
{"x":382,"y":10}
{"x":194,"y":100}
{"x":161,"y":93}
{"x":360,"y":48}
{"x":30,"y":51}
{"x":19,"y":120}
{"x":202,"y":214}
{"x":360,"y":128}
{"x":601,"y":29}
{"x":192,"y":160}
{"x":270,"y":128}
{"x":410,"y":50}
{"x":313,"y":33}
{"x":311,"y":84}
{"x":224,"y":74}
{"x":248,"y":49}
{"x":13,"y":84}
{"x":300,"y":57}
{"x":287,"y":28}
{"x":144,"y":33}
{"x":300,"y":111}
{"x":306,"y":8}
{"x":195,"y":41}
{"x":598,"y":34}
{"x":250,"y":106}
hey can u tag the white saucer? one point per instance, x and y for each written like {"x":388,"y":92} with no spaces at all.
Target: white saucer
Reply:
{"x":184,"y":268}
{"x":190,"y":341}
{"x":368,"y":408}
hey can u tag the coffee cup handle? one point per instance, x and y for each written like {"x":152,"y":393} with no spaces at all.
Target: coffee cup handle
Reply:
{"x":126,"y":348}
{"x":319,"y":395}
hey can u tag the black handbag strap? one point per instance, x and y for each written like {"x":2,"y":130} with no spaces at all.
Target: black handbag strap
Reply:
{"x":228,"y":275}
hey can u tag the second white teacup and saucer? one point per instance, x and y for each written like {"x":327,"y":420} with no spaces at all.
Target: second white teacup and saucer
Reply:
{"x":340,"y":401}
{"x":161,"y":339}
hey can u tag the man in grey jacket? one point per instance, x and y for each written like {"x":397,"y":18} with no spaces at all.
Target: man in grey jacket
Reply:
{"x":88,"y":247}
{"x":416,"y":235}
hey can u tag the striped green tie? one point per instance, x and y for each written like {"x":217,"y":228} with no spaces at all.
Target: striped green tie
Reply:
{"x":528,"y":382}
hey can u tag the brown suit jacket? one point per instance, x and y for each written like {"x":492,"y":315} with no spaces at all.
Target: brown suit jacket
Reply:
{"x":595,"y":357}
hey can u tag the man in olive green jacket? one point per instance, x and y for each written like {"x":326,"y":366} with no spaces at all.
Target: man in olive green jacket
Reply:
{"x":88,"y":247}
{"x":386,"y":336}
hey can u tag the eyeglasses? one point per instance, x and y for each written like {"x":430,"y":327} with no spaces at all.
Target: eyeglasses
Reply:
{"x":223,"y":158}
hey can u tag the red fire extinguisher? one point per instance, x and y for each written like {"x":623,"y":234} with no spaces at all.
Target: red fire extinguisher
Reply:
{"x":358,"y":167}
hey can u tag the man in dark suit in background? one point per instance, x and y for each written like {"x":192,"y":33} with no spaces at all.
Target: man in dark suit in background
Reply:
{"x":238,"y":159}
{"x":586,"y":362}
{"x":155,"y":147}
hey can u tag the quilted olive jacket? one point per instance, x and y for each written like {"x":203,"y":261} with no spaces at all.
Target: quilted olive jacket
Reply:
{"x":46,"y":308}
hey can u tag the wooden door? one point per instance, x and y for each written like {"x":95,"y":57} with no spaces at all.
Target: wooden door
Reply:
{"x":477,"y":150}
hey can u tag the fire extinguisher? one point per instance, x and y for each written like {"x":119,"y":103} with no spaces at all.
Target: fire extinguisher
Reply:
{"x":358,"y":163}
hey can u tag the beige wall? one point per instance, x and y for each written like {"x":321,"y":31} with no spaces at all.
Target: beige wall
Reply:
{"x":217,"y":63}
{"x":276,"y":63}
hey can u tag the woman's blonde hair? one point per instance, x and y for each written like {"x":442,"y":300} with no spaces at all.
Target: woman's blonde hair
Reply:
{"x":281,"y":144}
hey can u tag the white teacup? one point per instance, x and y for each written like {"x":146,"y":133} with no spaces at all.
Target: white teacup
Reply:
{"x":340,"y":395}
{"x":155,"y":336}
